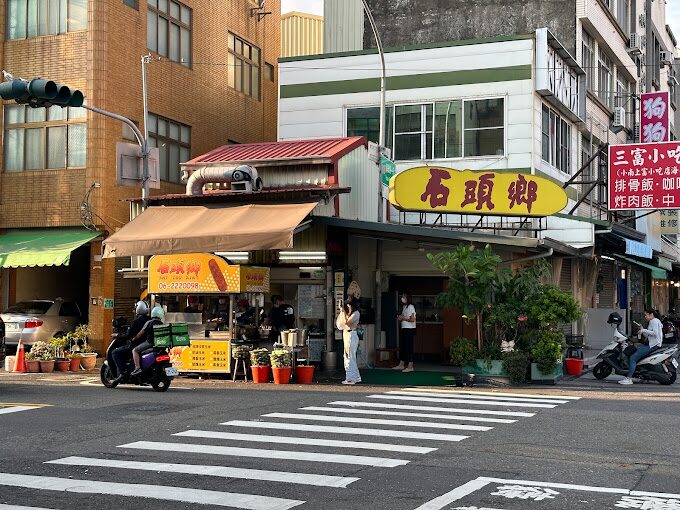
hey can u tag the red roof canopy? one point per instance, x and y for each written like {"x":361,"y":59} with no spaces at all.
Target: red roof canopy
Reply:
{"x":330,"y":149}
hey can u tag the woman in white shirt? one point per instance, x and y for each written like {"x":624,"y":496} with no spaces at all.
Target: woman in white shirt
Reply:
{"x":654,"y":335}
{"x":347,"y":321}
{"x":407,"y":334}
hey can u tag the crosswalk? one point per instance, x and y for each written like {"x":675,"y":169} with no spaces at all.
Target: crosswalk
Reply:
{"x":12,"y":407}
{"x":330,"y":446}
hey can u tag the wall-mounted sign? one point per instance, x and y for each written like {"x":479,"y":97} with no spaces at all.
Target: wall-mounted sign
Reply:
{"x":655,"y":108}
{"x":436,"y":189}
{"x":108,"y":303}
{"x":203,"y":273}
{"x":668,"y":221}
{"x":644,"y":176}
{"x":387,"y":170}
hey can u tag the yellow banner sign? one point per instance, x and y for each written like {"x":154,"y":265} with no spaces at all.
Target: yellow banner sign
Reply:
{"x":203,"y":273}
{"x":203,"y":356}
{"x":446,"y":190}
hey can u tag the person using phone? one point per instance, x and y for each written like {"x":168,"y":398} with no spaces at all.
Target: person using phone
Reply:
{"x":407,"y":334}
{"x":347,"y":322}
{"x":654,"y":337}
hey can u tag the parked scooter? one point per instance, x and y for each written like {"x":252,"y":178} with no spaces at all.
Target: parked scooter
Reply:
{"x":156,"y":367}
{"x":670,"y":332}
{"x":659,"y":365}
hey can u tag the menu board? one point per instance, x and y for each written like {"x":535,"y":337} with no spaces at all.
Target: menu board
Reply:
{"x":212,"y":356}
{"x":311,"y":302}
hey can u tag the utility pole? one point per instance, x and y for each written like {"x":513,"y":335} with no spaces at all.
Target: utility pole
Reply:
{"x":146,"y":59}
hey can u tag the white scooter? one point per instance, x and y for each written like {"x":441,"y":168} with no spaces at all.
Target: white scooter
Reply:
{"x":659,"y":365}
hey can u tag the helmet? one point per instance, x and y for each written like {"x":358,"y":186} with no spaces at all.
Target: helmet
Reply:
{"x":157,"y":313}
{"x":141,"y":308}
{"x":614,"y":318}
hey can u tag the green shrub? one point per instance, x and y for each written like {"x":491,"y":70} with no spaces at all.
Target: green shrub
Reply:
{"x":552,"y":307}
{"x":547,"y":350}
{"x":259,"y":358}
{"x":280,"y":358}
{"x":516,"y":364}
{"x":462,"y":352}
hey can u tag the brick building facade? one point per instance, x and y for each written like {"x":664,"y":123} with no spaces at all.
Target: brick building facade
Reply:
{"x":211,"y":81}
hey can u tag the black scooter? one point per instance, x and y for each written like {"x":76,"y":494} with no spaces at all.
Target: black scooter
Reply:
{"x":156,"y":367}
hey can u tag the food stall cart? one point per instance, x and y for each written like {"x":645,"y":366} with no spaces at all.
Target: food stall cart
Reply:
{"x":199,"y":274}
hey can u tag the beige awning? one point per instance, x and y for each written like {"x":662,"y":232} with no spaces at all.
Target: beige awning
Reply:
{"x":191,"y":229}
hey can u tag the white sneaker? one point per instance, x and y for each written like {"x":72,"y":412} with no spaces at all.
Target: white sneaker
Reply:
{"x":348,"y":382}
{"x":626,"y":381}
{"x":407,"y":369}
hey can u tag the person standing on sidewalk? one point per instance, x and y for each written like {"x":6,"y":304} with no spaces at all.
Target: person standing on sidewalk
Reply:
{"x":347,"y":321}
{"x":407,"y":334}
{"x":654,"y":336}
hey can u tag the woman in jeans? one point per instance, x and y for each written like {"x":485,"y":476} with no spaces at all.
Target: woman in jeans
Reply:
{"x":347,"y":321}
{"x":654,"y":336}
{"x":407,"y":334}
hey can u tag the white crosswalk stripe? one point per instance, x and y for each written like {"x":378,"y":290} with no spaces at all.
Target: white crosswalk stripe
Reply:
{"x":17,"y":408}
{"x":257,"y":453}
{"x":373,"y":412}
{"x":405,"y":413}
{"x":219,"y":471}
{"x":345,"y":430}
{"x":439,"y":409}
{"x":138,"y":490}
{"x":376,"y":421}
{"x":434,"y":397}
{"x":255,"y":438}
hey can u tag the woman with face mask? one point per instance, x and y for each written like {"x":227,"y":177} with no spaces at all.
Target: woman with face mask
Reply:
{"x":407,"y":334}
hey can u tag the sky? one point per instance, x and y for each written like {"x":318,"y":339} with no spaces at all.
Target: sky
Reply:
{"x":316,"y":7}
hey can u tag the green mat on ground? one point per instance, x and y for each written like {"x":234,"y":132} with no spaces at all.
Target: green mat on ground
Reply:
{"x":394,"y":377}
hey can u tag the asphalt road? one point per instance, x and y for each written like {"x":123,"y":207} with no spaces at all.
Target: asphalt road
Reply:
{"x":82,"y":446}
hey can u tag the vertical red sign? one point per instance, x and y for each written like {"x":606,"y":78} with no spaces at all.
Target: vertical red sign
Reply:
{"x":655,"y":117}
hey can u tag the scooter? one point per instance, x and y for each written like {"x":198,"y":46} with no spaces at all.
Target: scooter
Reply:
{"x":670,"y":332}
{"x":156,"y":367}
{"x":659,"y":365}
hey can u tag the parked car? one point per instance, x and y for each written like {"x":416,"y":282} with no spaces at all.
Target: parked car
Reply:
{"x":40,"y":320}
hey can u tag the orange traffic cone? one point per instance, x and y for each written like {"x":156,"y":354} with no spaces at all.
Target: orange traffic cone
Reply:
{"x":20,"y":363}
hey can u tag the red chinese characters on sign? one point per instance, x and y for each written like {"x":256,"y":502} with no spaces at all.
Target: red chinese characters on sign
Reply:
{"x":522,"y":192}
{"x":655,"y":117}
{"x":644,"y":176}
{"x":480,"y":191}
{"x":436,"y":191}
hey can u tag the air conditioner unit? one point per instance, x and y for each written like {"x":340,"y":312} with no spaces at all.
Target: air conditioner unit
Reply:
{"x":666,"y":58}
{"x":635,"y":45}
{"x":619,"y":117}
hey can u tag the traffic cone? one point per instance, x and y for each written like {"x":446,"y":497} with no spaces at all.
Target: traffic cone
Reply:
{"x":20,"y":362}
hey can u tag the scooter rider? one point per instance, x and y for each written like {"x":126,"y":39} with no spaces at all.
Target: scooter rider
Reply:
{"x":157,"y":316}
{"x":121,"y":355}
{"x":654,"y":336}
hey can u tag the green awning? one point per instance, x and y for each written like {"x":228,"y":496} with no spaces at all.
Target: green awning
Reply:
{"x":657,"y":272}
{"x":41,"y":247}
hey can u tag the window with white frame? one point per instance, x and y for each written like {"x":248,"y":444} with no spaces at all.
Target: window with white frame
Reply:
{"x":169,"y":30}
{"x":623,"y":14}
{"x":441,"y":130}
{"x":33,"y":18}
{"x":556,"y":140}
{"x":44,"y":138}
{"x":605,"y":79}
{"x":173,"y":140}
{"x":624,"y":92}
{"x":588,"y":59}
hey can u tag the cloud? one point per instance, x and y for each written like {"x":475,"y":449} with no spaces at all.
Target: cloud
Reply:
{"x":673,"y":16}
{"x":310,"y":6}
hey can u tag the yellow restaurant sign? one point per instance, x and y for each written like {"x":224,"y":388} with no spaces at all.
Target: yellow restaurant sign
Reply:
{"x":446,"y":190}
{"x":203,"y":356}
{"x":203,"y":273}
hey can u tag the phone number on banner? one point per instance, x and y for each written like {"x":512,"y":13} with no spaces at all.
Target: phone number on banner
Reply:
{"x":178,"y":286}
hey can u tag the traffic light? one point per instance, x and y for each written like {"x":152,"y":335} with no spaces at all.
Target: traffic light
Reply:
{"x":39,"y":93}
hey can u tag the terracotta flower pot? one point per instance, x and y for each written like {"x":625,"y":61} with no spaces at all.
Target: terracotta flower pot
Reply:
{"x":260,"y":374}
{"x":281,"y":375}
{"x":88,"y":362}
{"x":47,"y":367}
{"x":75,"y":364}
{"x":33,"y":365}
{"x":62,"y":365}
{"x":304,"y":374}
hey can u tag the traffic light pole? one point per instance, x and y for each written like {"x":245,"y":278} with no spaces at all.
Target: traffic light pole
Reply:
{"x":143,"y":143}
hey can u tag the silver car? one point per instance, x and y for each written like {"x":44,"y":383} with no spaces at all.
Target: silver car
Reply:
{"x":40,"y":319}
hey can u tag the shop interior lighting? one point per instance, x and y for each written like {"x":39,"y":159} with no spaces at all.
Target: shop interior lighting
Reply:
{"x":290,"y":256}
{"x":311,"y":268}
{"x":604,"y":257}
{"x":234,"y":256}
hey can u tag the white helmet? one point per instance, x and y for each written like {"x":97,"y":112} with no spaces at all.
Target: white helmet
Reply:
{"x":157,"y":313}
{"x":141,"y":308}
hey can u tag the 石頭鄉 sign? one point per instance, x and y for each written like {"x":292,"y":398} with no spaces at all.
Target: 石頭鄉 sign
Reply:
{"x":446,"y":190}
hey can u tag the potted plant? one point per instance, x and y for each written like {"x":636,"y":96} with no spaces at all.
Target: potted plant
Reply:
{"x":47,"y":362}
{"x":32,"y":363}
{"x":74,"y":360}
{"x":59,"y":345}
{"x":304,"y":374}
{"x":88,"y":354}
{"x":259,"y":365}
{"x":281,"y":366}
{"x":546,"y":354}
{"x":516,"y":364}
